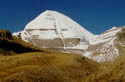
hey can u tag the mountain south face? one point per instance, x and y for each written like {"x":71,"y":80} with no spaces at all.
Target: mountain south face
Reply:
{"x":54,"y":30}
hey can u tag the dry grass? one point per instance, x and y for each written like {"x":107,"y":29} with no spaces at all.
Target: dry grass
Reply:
{"x":43,"y":67}
{"x":114,"y":73}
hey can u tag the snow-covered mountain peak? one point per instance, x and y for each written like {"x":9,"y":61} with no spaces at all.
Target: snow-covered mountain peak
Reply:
{"x":50,"y":19}
{"x":58,"y":29}
{"x":114,"y":27}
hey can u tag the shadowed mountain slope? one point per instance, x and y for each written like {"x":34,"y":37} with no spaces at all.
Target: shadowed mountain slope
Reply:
{"x":11,"y":45}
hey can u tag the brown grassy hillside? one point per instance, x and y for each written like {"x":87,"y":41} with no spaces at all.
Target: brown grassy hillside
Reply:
{"x":23,"y":62}
{"x":43,"y":67}
{"x":115,"y":72}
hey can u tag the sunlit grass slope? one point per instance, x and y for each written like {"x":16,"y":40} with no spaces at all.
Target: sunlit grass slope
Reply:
{"x":44,"y":67}
{"x":23,"y":62}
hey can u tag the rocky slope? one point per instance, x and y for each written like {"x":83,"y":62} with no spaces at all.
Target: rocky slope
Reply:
{"x":105,"y":48}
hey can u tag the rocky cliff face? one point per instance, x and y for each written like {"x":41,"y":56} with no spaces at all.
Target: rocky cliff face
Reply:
{"x":108,"y":45}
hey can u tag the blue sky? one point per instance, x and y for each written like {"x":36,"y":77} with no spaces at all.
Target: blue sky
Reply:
{"x":95,"y":15}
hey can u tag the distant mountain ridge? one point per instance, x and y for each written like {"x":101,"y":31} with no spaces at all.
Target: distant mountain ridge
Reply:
{"x":105,"y":48}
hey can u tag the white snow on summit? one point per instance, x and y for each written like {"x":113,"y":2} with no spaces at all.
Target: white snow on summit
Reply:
{"x":52,"y":25}
{"x":49,"y":20}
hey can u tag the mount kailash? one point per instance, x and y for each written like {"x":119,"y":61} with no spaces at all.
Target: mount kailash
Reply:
{"x":54,"y":30}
